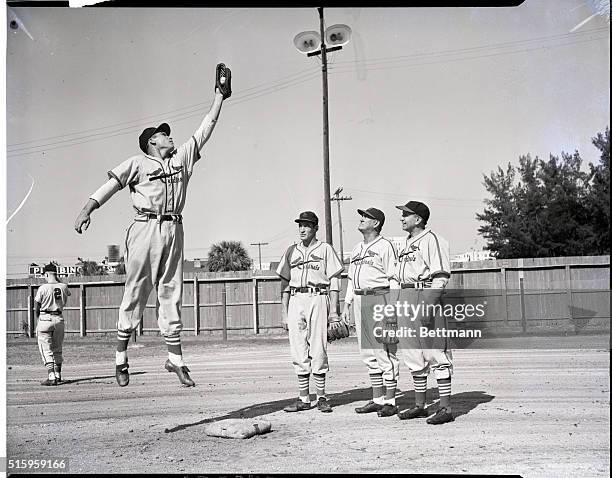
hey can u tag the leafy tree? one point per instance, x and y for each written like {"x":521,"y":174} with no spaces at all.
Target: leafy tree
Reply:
{"x":91,"y":268}
{"x":549,"y":208}
{"x":599,"y":195}
{"x":228,"y":256}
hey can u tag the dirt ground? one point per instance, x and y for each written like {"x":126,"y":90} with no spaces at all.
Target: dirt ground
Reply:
{"x":535,"y":412}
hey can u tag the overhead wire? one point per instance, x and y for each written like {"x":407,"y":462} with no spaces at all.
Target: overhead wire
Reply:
{"x":174,"y":118}
{"x":294,"y":80}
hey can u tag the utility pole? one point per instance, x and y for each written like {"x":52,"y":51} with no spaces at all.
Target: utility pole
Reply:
{"x":259,"y":244}
{"x":311,"y":44}
{"x":338,"y":198}
{"x":328,"y":220}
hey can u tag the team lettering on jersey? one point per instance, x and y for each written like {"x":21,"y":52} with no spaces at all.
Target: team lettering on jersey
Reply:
{"x":313,"y":263}
{"x":367,"y":259}
{"x":410,"y":254}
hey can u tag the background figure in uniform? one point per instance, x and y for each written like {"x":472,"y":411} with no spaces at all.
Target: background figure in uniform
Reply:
{"x":423,"y":271}
{"x":49,"y":303}
{"x":157,"y":180}
{"x":310,"y":284}
{"x":370,"y":277}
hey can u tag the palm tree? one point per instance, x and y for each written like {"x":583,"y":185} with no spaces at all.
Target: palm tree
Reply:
{"x":91,"y":268}
{"x":228,"y":256}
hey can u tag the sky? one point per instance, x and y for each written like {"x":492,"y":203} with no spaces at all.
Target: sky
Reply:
{"x":422,"y":103}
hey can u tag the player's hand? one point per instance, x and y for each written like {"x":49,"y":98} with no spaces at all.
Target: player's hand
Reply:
{"x":284,"y":322}
{"x":346,"y":315}
{"x":82,"y":222}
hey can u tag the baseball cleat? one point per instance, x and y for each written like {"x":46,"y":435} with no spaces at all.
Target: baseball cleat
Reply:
{"x":122,"y":375}
{"x":414,"y":412}
{"x":182,"y":372}
{"x":297,"y":406}
{"x":323,"y":405}
{"x":49,"y":383}
{"x":369,"y":407}
{"x":442,"y":416}
{"x":387,"y":410}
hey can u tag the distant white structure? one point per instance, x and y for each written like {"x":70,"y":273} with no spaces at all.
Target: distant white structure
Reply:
{"x":398,"y":242}
{"x":473,"y":256}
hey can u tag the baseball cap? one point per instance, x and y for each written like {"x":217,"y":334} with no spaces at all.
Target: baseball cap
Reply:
{"x":50,"y":268}
{"x":308,"y":216}
{"x":146,"y":134}
{"x":373,"y":213}
{"x":416,"y":207}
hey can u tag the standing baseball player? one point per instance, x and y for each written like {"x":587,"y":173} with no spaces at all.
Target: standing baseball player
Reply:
{"x":423,"y":271}
{"x":310,"y":284}
{"x":157,"y":180}
{"x":49,"y":303}
{"x":370,"y":278}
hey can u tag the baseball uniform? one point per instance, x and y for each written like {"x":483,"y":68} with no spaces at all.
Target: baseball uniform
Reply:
{"x":370,"y":277}
{"x":157,"y":181}
{"x":311,"y":272}
{"x":52,"y":298}
{"x":422,"y":257}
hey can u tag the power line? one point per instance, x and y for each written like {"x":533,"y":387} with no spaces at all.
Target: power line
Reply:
{"x":202,"y":105}
{"x":294,"y":80}
{"x":130,"y":130}
{"x":476,"y":48}
{"x":344,"y":69}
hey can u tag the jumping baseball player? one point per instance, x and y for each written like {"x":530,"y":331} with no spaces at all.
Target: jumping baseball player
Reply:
{"x":423,"y":271}
{"x":370,"y":278}
{"x":49,"y":303}
{"x":157,"y":180}
{"x":310,"y":284}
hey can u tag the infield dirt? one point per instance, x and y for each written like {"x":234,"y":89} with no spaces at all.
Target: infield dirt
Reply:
{"x":533,"y":412}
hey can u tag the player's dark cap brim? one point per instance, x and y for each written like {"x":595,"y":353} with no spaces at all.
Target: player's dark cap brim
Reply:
{"x":373,"y":213}
{"x":308,"y":216}
{"x":146,"y":134}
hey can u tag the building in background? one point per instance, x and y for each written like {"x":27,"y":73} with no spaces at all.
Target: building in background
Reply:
{"x":36,"y":270}
{"x":195,"y":265}
{"x":473,"y":256}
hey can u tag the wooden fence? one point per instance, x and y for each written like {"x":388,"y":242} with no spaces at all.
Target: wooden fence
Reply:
{"x":561,"y":293}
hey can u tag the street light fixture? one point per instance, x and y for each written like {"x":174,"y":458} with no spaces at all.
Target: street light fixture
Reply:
{"x":312,"y":43}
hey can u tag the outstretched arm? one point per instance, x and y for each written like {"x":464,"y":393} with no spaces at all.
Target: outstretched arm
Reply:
{"x":210,"y":120}
{"x":95,"y":201}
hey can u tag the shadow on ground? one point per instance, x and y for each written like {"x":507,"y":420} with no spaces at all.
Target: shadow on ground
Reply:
{"x":87,"y":379}
{"x":462,"y":404}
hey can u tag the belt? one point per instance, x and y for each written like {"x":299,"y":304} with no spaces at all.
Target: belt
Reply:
{"x":51,"y":312}
{"x":165,"y":217}
{"x":417,"y":285}
{"x":372,"y":290}
{"x":309,"y":290}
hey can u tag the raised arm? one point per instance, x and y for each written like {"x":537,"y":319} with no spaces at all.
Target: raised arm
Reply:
{"x":223,"y":90}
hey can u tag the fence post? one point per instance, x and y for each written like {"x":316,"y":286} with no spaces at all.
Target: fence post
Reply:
{"x":224,"y":310}
{"x":83,"y":311}
{"x":196,"y":306}
{"x":31,"y":318}
{"x":504,"y":294}
{"x":523,"y":318}
{"x":568,"y":291}
{"x":255,"y":307}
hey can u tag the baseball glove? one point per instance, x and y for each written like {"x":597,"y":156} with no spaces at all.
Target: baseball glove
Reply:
{"x":389,"y":330}
{"x":336,"y":328}
{"x":223,"y":80}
